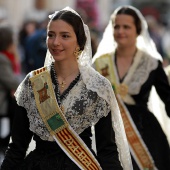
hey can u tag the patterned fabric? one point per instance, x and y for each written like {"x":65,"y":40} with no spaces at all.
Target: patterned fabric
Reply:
{"x":82,"y":108}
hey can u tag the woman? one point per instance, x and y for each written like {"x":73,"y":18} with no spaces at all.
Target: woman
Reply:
{"x":128,"y":58}
{"x":59,"y":103}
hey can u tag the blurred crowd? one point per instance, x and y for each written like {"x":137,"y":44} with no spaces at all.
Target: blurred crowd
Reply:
{"x":25,"y":50}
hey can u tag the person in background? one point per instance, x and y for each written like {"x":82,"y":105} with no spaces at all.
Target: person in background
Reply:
{"x":127,"y":56}
{"x":36,"y":47}
{"x":59,"y":103}
{"x":27,"y":30}
{"x":9,"y":81}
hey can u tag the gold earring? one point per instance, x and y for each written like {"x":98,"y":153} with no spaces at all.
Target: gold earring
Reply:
{"x":77,"y":52}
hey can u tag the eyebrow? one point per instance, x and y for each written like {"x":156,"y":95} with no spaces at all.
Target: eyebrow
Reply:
{"x":64,"y":32}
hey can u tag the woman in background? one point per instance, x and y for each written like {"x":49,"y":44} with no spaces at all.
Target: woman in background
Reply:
{"x":128,"y":58}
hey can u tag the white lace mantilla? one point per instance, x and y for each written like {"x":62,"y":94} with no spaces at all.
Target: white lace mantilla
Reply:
{"x":82,"y":108}
{"x":139,"y":72}
{"x":137,"y":75}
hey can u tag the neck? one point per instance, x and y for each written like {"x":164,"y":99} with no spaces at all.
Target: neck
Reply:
{"x":126,"y":52}
{"x":64,"y":70}
{"x":66,"y":73}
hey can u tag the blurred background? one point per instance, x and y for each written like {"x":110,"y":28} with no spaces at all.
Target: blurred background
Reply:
{"x":28,"y":19}
{"x":24,"y":15}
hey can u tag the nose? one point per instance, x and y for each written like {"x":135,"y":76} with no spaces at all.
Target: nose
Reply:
{"x":56,"y":41}
{"x":120,"y":30}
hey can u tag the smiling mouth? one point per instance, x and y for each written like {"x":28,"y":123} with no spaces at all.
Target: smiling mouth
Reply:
{"x":57,"y":51}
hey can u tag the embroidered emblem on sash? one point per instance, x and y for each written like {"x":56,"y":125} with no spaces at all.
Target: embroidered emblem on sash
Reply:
{"x":104,"y":71}
{"x":55,"y":122}
{"x":43,"y":93}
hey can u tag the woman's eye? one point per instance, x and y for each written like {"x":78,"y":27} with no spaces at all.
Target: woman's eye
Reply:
{"x":126,"y":27}
{"x":116,"y":27}
{"x":65,"y":36}
{"x":50,"y":35}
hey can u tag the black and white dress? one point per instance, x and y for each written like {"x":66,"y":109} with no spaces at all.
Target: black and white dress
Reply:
{"x":82,"y":109}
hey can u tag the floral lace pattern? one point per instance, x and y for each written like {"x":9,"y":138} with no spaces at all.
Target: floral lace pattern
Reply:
{"x":82,"y":108}
{"x":139,"y":72}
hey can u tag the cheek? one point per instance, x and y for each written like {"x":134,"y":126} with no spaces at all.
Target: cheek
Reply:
{"x":115,"y":35}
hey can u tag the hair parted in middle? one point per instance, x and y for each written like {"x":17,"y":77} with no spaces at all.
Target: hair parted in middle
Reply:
{"x":76,"y":22}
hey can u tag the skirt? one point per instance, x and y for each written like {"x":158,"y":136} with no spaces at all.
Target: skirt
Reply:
{"x":47,"y":158}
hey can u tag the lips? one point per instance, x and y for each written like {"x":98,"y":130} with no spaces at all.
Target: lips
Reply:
{"x":57,"y":51}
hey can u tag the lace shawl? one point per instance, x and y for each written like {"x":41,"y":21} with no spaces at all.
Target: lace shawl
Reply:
{"x":139,"y":72}
{"x":137,"y":75}
{"x":82,"y":108}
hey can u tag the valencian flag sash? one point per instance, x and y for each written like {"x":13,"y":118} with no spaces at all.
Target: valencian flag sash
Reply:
{"x":57,"y":124}
{"x":104,"y":65}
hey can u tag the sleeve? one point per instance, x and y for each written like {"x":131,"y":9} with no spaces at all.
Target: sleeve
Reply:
{"x":21,"y":137}
{"x":9,"y":79}
{"x":162,"y":87}
{"x":105,"y":144}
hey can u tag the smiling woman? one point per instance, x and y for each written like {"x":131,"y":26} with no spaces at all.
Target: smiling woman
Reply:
{"x":59,"y":103}
{"x":61,"y":42}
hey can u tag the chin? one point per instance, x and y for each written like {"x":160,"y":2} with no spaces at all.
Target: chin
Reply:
{"x":58,"y":58}
{"x":122,"y":44}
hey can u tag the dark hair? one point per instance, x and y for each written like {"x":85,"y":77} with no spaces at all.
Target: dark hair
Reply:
{"x":6,"y":37}
{"x":76,"y":22}
{"x":131,"y":12}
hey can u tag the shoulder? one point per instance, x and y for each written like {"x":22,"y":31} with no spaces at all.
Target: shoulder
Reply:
{"x":146,"y":60}
{"x":149,"y":57}
{"x":103,"y":56}
{"x":4,"y":59}
{"x":38,"y":71}
{"x":100,"y":79}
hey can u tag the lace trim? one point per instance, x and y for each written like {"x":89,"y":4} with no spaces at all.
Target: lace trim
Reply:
{"x":139,"y":72}
{"x":82,"y":108}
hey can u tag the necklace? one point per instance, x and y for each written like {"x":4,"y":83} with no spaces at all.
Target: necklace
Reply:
{"x":63,"y":83}
{"x":59,"y":96}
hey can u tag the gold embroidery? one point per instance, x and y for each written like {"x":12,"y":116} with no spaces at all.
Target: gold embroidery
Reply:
{"x":43,"y":93}
{"x":104,"y":71}
{"x":77,"y":150}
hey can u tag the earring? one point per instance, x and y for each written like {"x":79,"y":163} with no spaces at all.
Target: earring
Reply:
{"x":77,"y":52}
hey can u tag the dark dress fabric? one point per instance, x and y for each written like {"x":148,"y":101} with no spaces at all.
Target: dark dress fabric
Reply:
{"x":145,"y":121}
{"x":48,"y":155}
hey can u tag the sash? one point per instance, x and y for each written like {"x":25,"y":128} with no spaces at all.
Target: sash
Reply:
{"x":104,"y":65}
{"x":57,"y":124}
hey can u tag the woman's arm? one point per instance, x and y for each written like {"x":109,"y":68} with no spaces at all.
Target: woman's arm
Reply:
{"x":21,"y":137}
{"x":105,"y":144}
{"x":162,"y":87}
